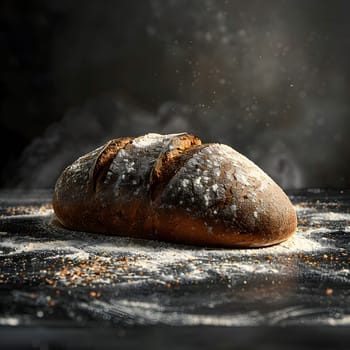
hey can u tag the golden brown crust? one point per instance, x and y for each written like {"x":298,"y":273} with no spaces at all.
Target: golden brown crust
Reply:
{"x":174,"y":188}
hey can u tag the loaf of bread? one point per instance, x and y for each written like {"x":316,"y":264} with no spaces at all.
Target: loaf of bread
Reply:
{"x":173,"y":188}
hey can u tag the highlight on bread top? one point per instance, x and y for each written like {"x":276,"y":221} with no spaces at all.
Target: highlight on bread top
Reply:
{"x":173,"y":188}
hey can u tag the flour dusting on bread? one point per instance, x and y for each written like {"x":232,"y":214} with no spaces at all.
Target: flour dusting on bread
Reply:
{"x":173,"y":187}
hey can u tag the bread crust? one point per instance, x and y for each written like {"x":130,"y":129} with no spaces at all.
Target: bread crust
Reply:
{"x":173,"y":188}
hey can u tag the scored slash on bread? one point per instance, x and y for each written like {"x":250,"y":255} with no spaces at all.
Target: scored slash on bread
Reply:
{"x":170,"y":160}
{"x":173,"y":188}
{"x":104,"y":159}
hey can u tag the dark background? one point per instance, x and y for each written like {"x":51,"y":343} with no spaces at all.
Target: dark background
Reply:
{"x":270,"y":78}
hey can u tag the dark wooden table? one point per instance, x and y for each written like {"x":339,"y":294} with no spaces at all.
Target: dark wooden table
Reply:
{"x":64,"y":289}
